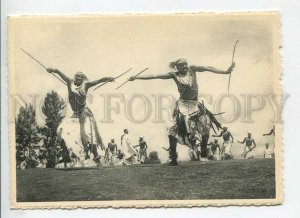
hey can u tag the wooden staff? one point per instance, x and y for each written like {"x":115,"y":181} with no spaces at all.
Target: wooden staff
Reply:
{"x":134,"y":76}
{"x":114,"y":78}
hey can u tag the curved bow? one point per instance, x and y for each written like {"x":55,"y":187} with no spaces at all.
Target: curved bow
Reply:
{"x":232,"y":63}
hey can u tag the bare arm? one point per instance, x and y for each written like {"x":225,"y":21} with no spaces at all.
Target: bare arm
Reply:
{"x":167,"y":149}
{"x":95,"y":82}
{"x":270,"y":133}
{"x":61,"y":74}
{"x":213,"y":69}
{"x":220,"y":135}
{"x":149,"y":77}
{"x":242,"y":141}
{"x":253,"y":147}
{"x":231,"y":137}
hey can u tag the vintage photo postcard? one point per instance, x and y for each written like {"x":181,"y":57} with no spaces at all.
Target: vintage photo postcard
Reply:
{"x":174,"y":110}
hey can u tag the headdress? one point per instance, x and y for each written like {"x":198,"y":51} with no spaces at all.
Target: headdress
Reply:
{"x":174,"y":64}
{"x":82,"y":75}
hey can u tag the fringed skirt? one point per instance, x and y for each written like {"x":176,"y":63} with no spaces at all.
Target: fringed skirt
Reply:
{"x":79,"y":132}
{"x":187,"y":119}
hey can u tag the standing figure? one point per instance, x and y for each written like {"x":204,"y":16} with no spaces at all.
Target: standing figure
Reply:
{"x":272,"y":132}
{"x":268,"y":152}
{"x":143,"y":150}
{"x":87,"y":139}
{"x":226,"y":148}
{"x":189,"y":115}
{"x":127,"y":148}
{"x":111,"y":152}
{"x":248,"y":150}
{"x":215,"y":150}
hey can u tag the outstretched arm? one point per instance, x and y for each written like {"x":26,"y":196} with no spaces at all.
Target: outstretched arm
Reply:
{"x":242,"y":141}
{"x":149,"y":77}
{"x":270,"y":133}
{"x":61,"y":74}
{"x":213,"y":69}
{"x":167,"y":149}
{"x":218,"y":135}
{"x":93,"y":83}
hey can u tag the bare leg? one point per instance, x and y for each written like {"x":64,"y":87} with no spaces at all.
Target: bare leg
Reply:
{"x":172,"y":152}
{"x":204,"y":146}
{"x":83,"y":136}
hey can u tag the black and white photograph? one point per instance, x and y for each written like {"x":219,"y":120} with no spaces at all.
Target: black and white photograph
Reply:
{"x":145,"y":110}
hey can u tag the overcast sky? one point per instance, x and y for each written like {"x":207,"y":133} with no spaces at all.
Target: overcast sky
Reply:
{"x":108,"y":46}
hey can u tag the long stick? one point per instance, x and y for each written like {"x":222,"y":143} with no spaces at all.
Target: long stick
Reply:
{"x":42,"y":65}
{"x":114,"y":78}
{"x":135,"y":76}
{"x":232,"y":63}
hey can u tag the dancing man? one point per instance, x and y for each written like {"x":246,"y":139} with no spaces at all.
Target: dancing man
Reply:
{"x":77,"y":91}
{"x":188,"y":107}
{"x":226,"y":148}
{"x":111,"y":152}
{"x":248,"y":151}
{"x":143,"y":150}
{"x":214,"y":150}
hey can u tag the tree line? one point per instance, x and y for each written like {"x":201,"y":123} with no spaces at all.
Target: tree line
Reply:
{"x":37,"y":144}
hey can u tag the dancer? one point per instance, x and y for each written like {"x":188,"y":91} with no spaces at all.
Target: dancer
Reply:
{"x":249,"y":146}
{"x":189,"y":114}
{"x":226,"y":148}
{"x":89,"y":136}
{"x":143,"y":150}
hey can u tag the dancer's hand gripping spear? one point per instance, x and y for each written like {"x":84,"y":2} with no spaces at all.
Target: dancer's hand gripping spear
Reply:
{"x":232,"y":64}
{"x":42,"y":65}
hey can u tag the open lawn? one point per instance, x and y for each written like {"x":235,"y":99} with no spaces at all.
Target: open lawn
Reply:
{"x":233,"y":179}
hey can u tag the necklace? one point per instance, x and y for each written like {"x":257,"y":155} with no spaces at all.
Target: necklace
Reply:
{"x":76,"y":90}
{"x":185,"y":81}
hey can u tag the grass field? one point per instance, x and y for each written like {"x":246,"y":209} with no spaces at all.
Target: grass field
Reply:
{"x":234,"y":179}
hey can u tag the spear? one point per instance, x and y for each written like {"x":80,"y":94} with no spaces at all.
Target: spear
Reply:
{"x":114,"y":78}
{"x":42,"y":65}
{"x":134,"y":76}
